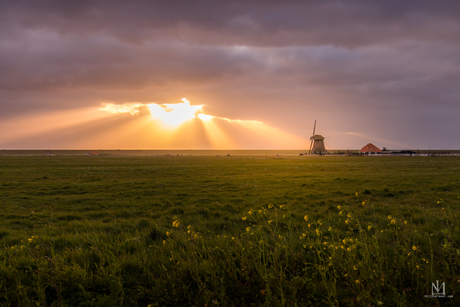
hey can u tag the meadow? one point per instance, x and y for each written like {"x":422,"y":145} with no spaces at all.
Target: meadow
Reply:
{"x":229,"y":231}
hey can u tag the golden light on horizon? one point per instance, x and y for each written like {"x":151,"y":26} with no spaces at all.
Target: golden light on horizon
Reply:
{"x":143,"y":126}
{"x":174,"y":124}
{"x":218,"y":137}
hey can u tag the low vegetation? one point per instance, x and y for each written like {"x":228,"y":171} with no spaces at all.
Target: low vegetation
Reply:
{"x":229,"y":231}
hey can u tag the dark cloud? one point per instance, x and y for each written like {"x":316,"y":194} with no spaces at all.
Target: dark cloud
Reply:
{"x":255,"y":23}
{"x":286,"y":62}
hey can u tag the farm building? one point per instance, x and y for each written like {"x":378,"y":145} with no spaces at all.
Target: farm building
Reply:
{"x":370,"y":149}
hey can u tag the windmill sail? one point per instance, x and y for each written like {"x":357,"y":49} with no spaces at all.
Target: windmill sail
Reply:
{"x":311,"y":138}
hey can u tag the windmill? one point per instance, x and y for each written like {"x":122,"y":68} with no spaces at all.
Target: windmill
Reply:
{"x":317,"y":143}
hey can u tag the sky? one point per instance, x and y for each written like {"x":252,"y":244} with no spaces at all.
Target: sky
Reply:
{"x":241,"y":74}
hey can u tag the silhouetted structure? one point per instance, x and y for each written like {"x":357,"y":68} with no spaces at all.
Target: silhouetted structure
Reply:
{"x":317,"y":143}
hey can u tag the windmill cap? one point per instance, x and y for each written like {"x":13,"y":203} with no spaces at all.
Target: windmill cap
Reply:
{"x":317,"y":137}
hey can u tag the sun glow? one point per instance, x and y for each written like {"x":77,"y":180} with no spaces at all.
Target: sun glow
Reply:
{"x":174,"y":115}
{"x":181,"y":125}
{"x":132,"y":108}
{"x":205,"y":117}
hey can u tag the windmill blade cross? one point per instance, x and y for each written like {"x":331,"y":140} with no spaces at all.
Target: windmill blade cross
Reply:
{"x":314,"y":129}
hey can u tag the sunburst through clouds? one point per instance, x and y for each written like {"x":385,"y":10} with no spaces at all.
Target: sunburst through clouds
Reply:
{"x":135,"y":125}
{"x":183,"y":119}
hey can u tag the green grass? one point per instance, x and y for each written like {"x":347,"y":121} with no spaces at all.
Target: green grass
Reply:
{"x":228,"y":231}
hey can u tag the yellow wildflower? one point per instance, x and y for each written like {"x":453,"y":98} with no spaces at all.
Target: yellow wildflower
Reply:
{"x":414,"y":248}
{"x":244,"y":218}
{"x":305,"y":218}
{"x":248,"y":228}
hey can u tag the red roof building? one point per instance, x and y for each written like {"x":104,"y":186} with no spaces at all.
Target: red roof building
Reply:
{"x":370,"y":148}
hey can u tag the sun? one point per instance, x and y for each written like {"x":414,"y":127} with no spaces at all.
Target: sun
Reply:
{"x":174,"y":115}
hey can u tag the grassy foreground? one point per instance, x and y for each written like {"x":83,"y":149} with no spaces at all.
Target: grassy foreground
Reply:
{"x":209,"y":231}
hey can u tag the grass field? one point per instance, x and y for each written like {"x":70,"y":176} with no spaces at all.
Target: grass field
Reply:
{"x":229,"y":231}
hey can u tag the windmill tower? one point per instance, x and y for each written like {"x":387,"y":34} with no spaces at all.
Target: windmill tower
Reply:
{"x":317,"y":143}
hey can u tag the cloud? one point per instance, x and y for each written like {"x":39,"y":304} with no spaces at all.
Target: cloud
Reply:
{"x":279,"y":62}
{"x":255,"y":23}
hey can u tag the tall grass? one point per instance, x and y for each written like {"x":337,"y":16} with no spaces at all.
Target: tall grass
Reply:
{"x":355,"y":245}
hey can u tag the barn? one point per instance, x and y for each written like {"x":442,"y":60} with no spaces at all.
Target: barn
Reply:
{"x":370,"y":149}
